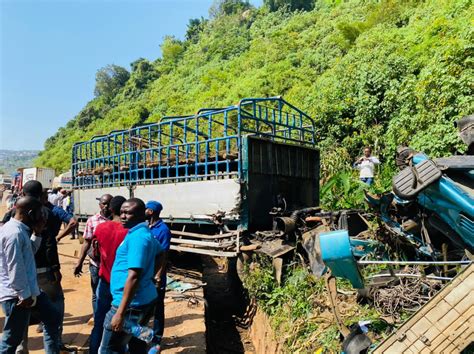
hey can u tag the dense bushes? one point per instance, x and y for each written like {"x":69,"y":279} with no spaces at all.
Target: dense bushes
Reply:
{"x":374,"y":73}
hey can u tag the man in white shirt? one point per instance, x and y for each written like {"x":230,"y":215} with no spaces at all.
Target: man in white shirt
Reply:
{"x":366,"y":165}
{"x":54,"y":196}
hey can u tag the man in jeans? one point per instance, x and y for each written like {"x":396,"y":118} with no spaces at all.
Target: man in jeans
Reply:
{"x":131,"y":282}
{"x":47,"y":258}
{"x":19,"y":291}
{"x":102,"y":216}
{"x":366,"y":165}
{"x":109,"y":235}
{"x":162,"y":234}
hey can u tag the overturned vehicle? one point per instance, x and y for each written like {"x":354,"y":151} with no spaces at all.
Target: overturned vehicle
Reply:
{"x":401,"y":251}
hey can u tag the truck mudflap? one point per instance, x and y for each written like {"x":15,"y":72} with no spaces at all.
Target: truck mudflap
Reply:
{"x":220,"y":245}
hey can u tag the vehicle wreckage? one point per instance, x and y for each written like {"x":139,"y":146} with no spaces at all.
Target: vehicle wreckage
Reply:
{"x":420,"y":235}
{"x":226,"y":175}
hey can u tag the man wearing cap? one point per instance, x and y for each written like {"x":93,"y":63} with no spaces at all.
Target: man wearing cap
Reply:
{"x":162,"y":234}
{"x":102,"y":216}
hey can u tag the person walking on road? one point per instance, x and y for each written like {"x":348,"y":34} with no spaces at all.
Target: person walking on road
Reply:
{"x":109,"y":235}
{"x":131,"y":282}
{"x":19,"y":290}
{"x":366,"y":166}
{"x":162,"y":234}
{"x":102,"y":216}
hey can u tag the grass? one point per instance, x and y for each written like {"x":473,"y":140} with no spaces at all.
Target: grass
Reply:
{"x":299,"y":308}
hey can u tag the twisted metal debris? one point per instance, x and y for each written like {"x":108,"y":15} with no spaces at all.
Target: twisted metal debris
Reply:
{"x":408,"y":295}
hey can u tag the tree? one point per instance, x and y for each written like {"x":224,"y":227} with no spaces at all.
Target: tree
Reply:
{"x":306,"y":5}
{"x":143,"y":72}
{"x":195,"y":27}
{"x":109,"y":80}
{"x":172,"y":49}
{"x":228,"y":7}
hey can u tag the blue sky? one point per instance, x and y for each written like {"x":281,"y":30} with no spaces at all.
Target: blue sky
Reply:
{"x":51,"y":50}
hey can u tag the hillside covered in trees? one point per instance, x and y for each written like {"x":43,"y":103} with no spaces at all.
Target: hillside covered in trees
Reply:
{"x":377,"y":73}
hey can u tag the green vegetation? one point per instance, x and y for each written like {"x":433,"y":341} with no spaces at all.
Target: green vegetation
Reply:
{"x":300,"y":310}
{"x":374,"y":73}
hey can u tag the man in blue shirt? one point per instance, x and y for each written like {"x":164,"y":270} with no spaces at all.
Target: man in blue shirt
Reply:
{"x":162,"y":234}
{"x":131,"y":282}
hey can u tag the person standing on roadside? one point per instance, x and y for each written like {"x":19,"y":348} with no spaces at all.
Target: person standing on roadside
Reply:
{"x":62,"y":195}
{"x":162,"y":234}
{"x":102,"y":216}
{"x":48,"y":267}
{"x":366,"y":166}
{"x":19,"y":291}
{"x":54,"y":196}
{"x":47,"y":257}
{"x":109,"y":236}
{"x":131,"y":282}
{"x":68,"y":208}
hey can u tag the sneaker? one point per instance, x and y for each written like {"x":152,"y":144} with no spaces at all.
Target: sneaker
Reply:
{"x":155,"y":349}
{"x":67,"y":349}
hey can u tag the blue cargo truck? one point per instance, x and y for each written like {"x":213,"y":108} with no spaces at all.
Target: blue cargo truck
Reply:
{"x":219,"y":173}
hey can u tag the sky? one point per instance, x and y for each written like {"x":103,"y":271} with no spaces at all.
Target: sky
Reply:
{"x":50,"y":52}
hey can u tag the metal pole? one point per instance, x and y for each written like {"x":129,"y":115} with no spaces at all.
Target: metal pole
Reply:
{"x":416,"y":262}
{"x":408,"y":276}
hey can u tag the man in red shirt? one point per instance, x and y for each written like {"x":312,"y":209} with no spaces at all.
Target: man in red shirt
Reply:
{"x":109,"y":235}
{"x":87,"y":249}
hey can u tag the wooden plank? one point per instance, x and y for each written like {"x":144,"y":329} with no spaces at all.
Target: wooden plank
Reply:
{"x":438,"y":311}
{"x":421,"y":326}
{"x":447,"y":320}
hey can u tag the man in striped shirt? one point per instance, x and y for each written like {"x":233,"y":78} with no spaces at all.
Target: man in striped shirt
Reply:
{"x":102,"y":216}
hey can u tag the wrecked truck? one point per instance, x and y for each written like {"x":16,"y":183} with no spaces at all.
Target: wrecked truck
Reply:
{"x":219,"y":173}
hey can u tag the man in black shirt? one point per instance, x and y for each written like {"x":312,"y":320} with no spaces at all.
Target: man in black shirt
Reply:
{"x":47,"y":258}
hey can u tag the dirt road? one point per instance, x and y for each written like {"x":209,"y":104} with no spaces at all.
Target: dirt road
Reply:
{"x":185,"y":324}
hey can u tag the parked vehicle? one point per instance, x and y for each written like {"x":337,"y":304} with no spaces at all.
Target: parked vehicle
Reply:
{"x":5,"y":181}
{"x":43,"y":175}
{"x":218,"y":173}
{"x":64,"y":180}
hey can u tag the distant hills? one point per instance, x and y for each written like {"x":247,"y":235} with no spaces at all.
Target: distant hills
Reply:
{"x":10,"y":160}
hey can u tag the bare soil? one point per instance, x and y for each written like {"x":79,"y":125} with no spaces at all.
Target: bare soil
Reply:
{"x":185,"y":330}
{"x":226,"y":307}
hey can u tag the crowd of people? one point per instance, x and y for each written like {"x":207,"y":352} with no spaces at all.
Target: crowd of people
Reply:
{"x":127,"y":245}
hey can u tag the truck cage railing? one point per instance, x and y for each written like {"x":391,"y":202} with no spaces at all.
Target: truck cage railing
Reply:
{"x":203,"y":146}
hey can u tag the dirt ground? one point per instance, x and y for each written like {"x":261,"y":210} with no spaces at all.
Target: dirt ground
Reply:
{"x":227,"y":305}
{"x":185,"y":321}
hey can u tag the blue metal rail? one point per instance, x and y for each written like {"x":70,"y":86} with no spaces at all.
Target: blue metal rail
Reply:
{"x":203,"y":146}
